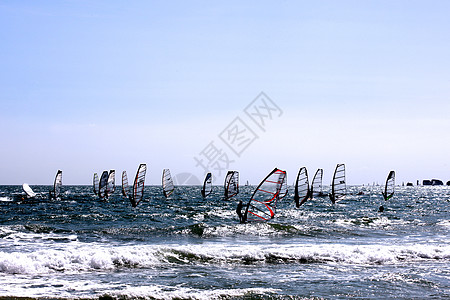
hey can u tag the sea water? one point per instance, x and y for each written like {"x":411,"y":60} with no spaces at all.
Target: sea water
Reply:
{"x":188,"y":247}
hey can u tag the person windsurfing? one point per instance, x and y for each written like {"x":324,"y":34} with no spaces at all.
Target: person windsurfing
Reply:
{"x":133,"y":202}
{"x":239,"y":211}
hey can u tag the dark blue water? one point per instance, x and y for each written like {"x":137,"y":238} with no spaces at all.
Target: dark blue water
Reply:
{"x":186,"y":247}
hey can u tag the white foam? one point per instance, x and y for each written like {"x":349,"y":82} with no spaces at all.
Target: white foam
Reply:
{"x":444,"y":223}
{"x":164,"y":292}
{"x":5,"y":199}
{"x":78,"y":257}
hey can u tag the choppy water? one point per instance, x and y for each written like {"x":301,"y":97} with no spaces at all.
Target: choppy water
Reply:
{"x":186,"y":247}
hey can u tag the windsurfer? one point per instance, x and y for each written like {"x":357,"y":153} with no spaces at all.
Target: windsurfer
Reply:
{"x":239,"y":211}
{"x":133,"y":202}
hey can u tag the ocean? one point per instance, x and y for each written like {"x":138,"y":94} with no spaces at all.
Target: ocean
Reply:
{"x":187,"y":247}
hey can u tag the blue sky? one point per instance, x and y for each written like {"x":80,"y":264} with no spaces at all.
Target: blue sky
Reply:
{"x":92,"y":85}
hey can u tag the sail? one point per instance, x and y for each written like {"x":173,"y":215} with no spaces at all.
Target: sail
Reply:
{"x":95,"y":183}
{"x":301,"y":193}
{"x":138,"y":186}
{"x":263,"y":203}
{"x":316,"y":185}
{"x":338,"y":187}
{"x":231,"y":185}
{"x":57,"y":185}
{"x":111,"y":185}
{"x":167,"y":183}
{"x":124,"y":184}
{"x":390,"y":186}
{"x":26,"y":188}
{"x":207,"y":185}
{"x":284,"y":188}
{"x":102,"y":185}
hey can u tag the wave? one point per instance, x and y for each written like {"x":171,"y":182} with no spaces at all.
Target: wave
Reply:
{"x":165,"y":292}
{"x":79,"y":257}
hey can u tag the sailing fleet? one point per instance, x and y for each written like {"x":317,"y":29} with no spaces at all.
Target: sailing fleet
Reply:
{"x":261,"y":205}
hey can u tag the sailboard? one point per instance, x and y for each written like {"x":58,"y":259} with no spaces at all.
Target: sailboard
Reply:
{"x":207,"y":185}
{"x":338,"y":187}
{"x":103,"y":184}
{"x":231,"y":185}
{"x":389,"y":188}
{"x":138,"y":186}
{"x":55,"y":193}
{"x":263,"y":203}
{"x":167,"y":183}
{"x":26,"y":188}
{"x":95,"y":183}
{"x":125,"y":184}
{"x":316,"y":185}
{"x":111,"y":185}
{"x":302,"y":192}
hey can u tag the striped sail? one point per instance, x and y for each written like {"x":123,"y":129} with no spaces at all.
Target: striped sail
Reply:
{"x":95,"y":183}
{"x":338,"y":186}
{"x":389,"y":187}
{"x":124,"y":184}
{"x":111,"y":185}
{"x":316,"y":185}
{"x":103,"y":184}
{"x":301,"y":193}
{"x":57,"y":184}
{"x":167,"y":183}
{"x":231,"y":185}
{"x":207,"y":185}
{"x":263,"y":203}
{"x":138,"y":186}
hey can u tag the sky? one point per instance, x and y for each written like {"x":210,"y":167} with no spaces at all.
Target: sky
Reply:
{"x":87,"y":86}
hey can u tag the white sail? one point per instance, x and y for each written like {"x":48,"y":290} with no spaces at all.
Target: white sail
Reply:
{"x":26,"y":188}
{"x":124,"y":184}
{"x":95,"y":183}
{"x":263,"y":203}
{"x":138,"y":186}
{"x":111,"y":185}
{"x":231,"y":185}
{"x":338,"y":186}
{"x":103,"y":184}
{"x":167,"y":183}
{"x":316,"y":185}
{"x":207,"y":185}
{"x":389,"y":187}
{"x":301,"y":193}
